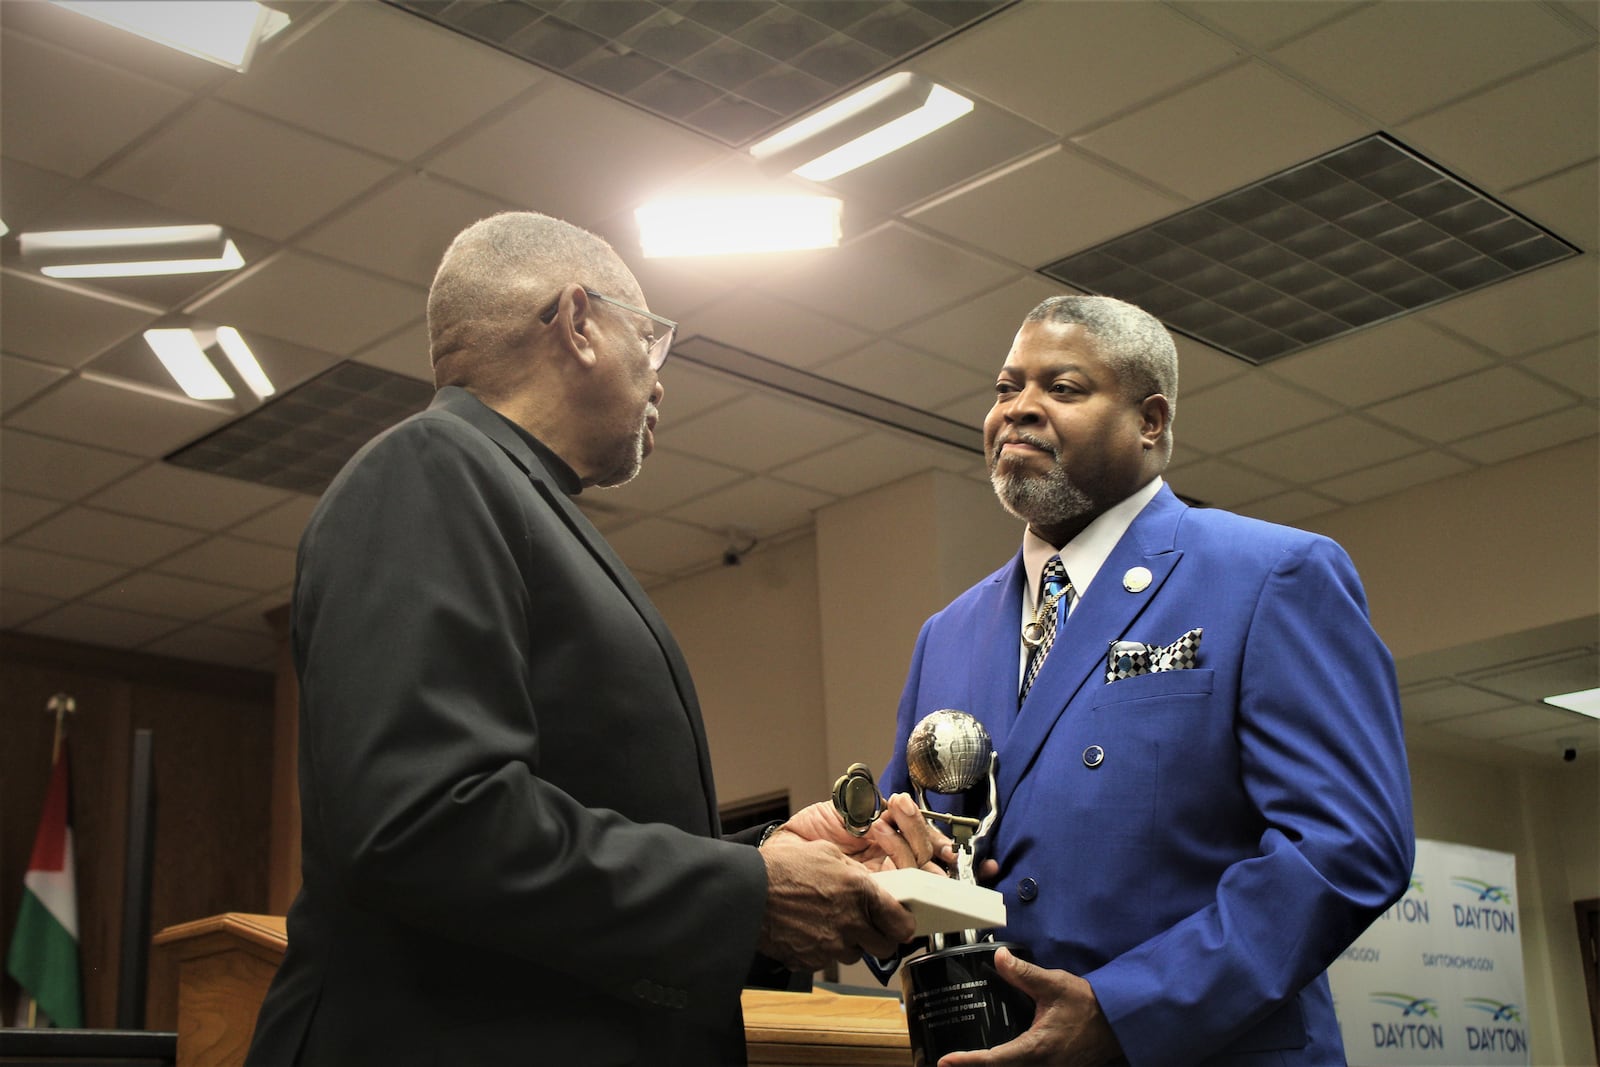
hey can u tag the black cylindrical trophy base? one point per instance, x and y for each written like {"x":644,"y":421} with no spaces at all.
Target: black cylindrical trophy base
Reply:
{"x":956,"y":1001}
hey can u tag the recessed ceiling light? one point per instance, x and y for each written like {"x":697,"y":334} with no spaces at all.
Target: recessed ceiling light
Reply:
{"x":866,"y":125}
{"x":224,"y":32}
{"x":140,"y":251}
{"x":244,"y":361}
{"x":714,"y":226}
{"x":1584,"y":702}
{"x":180,"y":352}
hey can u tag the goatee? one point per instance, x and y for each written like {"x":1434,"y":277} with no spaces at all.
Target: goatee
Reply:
{"x":1040,"y":500}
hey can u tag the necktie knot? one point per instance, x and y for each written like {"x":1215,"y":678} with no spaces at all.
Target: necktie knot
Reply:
{"x":1040,"y":634}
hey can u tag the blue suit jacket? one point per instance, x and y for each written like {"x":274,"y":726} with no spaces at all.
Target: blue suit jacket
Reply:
{"x":1250,"y":816}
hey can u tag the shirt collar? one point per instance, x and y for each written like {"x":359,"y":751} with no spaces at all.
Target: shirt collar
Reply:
{"x":1085,"y":554}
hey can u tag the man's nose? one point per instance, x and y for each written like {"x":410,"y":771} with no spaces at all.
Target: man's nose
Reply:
{"x":657,"y":393}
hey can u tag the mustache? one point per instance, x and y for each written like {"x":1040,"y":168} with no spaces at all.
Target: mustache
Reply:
{"x":1021,"y":437}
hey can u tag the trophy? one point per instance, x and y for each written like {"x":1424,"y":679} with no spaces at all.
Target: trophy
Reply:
{"x":954,"y":998}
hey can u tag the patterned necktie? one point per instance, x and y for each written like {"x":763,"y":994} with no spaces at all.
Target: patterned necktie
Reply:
{"x":1054,"y":588}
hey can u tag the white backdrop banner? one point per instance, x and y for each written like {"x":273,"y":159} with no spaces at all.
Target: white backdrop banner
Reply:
{"x":1437,"y":979}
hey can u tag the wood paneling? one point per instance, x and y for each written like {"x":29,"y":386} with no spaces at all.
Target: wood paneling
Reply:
{"x":213,"y":736}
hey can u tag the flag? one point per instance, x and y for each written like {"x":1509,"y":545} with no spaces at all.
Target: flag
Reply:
{"x":44,"y":948}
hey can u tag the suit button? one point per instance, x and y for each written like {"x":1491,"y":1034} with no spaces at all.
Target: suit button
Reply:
{"x":1093,"y":756}
{"x":1027,"y":889}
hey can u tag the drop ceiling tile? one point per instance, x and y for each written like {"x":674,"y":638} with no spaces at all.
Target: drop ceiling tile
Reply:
{"x":1535,"y":435}
{"x":186,"y":497}
{"x":404,"y":352}
{"x":1444,"y":698}
{"x":23,"y":379}
{"x":1567,"y":670}
{"x":1289,"y":508}
{"x":1586,"y":11}
{"x":213,"y":644}
{"x":668,"y":479}
{"x":1525,"y":129}
{"x":231,"y":561}
{"x":95,"y":110}
{"x":1325,"y":449}
{"x":280,"y":526}
{"x":774,"y":328}
{"x":1222,"y":484}
{"x":1200,"y":366}
{"x":250,"y":616}
{"x":58,"y":470}
{"x":1567,"y":203}
{"x":1014,"y":213}
{"x":382,"y":80}
{"x":1549,"y":305}
{"x":869,"y":462}
{"x":759,"y":432}
{"x":28,"y":570}
{"x":96,"y":625}
{"x":1243,"y":410}
{"x":626,"y":154}
{"x":1268,"y":122}
{"x":18,"y":511}
{"x":1265,"y":25}
{"x":662,"y":546}
{"x":53,"y":323}
{"x":1066,"y":66}
{"x":1381,"y":363}
{"x":97,"y":412}
{"x":1575,"y":731}
{"x":970,"y":410}
{"x":905,"y":375}
{"x":688,"y":391}
{"x":28,"y":193}
{"x":1394,"y":61}
{"x":169,"y":596}
{"x":369,"y":235}
{"x":762,"y":507}
{"x":607,"y":517}
{"x":1392,"y":477}
{"x":107,"y":537}
{"x":1508,"y":722}
{"x":17,"y":608}
{"x":1574,"y":365}
{"x":1472,"y":405}
{"x":978,"y":332}
{"x":228,"y":166}
{"x":316,"y":303}
{"x":889,"y":277}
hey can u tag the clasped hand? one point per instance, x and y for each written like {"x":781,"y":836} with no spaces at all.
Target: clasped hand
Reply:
{"x":823,"y":906}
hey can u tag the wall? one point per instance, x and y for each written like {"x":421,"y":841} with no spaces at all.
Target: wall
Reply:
{"x":212,"y":745}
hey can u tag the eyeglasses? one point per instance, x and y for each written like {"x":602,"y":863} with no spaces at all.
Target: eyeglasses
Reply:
{"x":660,"y":344}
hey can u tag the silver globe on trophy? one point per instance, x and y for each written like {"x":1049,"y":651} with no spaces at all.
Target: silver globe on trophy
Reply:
{"x":955,"y":1000}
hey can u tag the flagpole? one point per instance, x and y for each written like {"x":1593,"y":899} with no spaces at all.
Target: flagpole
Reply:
{"x":61,"y":705}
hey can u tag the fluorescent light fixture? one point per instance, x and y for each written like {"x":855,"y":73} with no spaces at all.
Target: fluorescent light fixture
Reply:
{"x":179,"y":351}
{"x":1584,"y":702}
{"x":224,"y":32}
{"x":244,"y":361}
{"x":716,"y":226}
{"x":140,"y":251}
{"x":866,"y":125}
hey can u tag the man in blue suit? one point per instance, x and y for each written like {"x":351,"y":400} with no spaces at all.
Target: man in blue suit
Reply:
{"x":1203,"y":791}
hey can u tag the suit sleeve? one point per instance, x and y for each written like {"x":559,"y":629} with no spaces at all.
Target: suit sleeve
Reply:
{"x":1323,"y":762}
{"x":421,"y":745}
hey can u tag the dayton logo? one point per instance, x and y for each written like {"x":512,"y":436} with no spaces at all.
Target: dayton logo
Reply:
{"x":1409,"y":908}
{"x":1502,"y":1029}
{"x":1414,"y":1030}
{"x":1482,"y":914}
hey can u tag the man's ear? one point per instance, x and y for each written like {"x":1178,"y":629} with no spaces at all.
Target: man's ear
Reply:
{"x":1155,"y":415}
{"x":573,"y":323}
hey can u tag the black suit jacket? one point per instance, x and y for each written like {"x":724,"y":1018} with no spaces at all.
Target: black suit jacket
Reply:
{"x":510,"y":839}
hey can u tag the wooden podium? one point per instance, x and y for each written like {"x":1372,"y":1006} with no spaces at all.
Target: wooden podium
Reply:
{"x":208,"y":978}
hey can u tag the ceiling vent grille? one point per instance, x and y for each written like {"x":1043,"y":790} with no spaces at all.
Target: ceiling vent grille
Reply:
{"x":1359,"y":236}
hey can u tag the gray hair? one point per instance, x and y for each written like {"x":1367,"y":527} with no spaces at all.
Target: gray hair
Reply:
{"x":497,"y":270}
{"x":1135,"y":344}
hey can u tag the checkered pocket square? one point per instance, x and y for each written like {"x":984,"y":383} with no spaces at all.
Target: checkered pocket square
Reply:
{"x":1129,"y":659}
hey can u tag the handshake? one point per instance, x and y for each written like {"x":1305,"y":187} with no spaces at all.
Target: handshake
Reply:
{"x":823,"y":905}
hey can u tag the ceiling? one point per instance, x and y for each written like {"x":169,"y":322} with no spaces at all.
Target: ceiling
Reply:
{"x":363,"y":137}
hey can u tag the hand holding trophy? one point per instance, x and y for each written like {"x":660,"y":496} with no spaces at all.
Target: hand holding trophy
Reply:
{"x":955,"y":1000}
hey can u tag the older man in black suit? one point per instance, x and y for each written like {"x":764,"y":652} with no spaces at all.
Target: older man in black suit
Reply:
{"x":511,"y":843}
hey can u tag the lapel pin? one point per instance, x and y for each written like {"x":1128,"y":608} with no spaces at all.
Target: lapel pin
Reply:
{"x":1137,"y":580}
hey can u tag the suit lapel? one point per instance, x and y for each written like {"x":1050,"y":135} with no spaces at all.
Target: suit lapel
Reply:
{"x":995,"y":652}
{"x":469,"y":408}
{"x":1077,"y":660}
